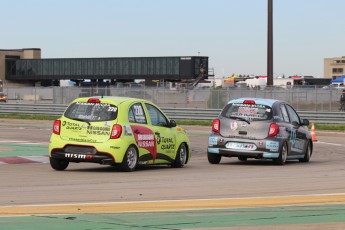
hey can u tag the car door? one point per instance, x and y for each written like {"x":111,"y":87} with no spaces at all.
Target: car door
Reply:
{"x":164,"y":135}
{"x":142,"y":133}
{"x":298,"y":139}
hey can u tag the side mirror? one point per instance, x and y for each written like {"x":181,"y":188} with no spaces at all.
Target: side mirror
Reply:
{"x":305,"y":122}
{"x":172,"y":123}
{"x":295,"y":124}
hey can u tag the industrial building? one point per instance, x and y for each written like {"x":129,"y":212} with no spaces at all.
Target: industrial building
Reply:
{"x":26,"y":67}
{"x":334,"y":67}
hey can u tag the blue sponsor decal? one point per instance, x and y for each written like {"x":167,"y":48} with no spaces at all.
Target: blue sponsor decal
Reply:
{"x":270,"y":155}
{"x":295,"y":157}
{"x":272,"y":145}
{"x":212,"y":140}
{"x":213,"y":150}
{"x":293,"y":135}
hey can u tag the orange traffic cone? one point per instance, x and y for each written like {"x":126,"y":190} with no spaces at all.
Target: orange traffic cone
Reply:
{"x":312,"y":132}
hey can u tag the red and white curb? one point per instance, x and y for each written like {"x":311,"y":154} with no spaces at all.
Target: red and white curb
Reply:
{"x":23,"y":159}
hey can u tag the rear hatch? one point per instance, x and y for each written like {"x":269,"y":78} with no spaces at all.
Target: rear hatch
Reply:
{"x":88,"y":122}
{"x":246,"y":120}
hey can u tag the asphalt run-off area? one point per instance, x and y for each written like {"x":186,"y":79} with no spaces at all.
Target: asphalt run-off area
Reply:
{"x":29,"y":155}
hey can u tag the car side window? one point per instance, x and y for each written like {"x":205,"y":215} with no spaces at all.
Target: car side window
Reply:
{"x":292,"y":114}
{"x":136,"y":114}
{"x":284,"y":114}
{"x":156,"y":116}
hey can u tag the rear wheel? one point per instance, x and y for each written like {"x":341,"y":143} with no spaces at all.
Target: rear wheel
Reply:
{"x":242,"y":158}
{"x":282,"y":155}
{"x":181,"y":157}
{"x":58,"y":164}
{"x":130,"y":160}
{"x":214,"y":158}
{"x":307,"y":153}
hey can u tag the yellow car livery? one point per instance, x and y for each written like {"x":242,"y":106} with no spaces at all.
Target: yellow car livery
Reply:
{"x":117,"y":131}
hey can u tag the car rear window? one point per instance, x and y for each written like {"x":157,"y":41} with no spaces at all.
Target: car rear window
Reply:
{"x":91,"y":111}
{"x":252,"y":112}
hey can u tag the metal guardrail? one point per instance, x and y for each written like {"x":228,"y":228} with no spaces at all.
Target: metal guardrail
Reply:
{"x":32,"y":109}
{"x":173,"y":113}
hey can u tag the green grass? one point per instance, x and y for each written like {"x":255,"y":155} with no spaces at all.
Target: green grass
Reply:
{"x":330,"y":127}
{"x":194,"y":122}
{"x":28,"y":116}
{"x":318,"y":126}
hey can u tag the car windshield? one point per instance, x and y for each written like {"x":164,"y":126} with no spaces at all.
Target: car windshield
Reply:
{"x":250,"y":112}
{"x":91,"y":111}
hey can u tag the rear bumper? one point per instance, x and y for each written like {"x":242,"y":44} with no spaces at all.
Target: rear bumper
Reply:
{"x":258,"y":148}
{"x":100,"y":158}
{"x":238,"y":153}
{"x":109,"y":152}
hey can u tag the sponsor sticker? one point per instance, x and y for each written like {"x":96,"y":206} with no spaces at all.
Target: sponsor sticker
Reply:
{"x":240,"y":146}
{"x":272,"y":145}
{"x":145,"y":138}
{"x":233,"y":125}
{"x":78,"y":156}
{"x":128,"y":130}
{"x":212,"y":140}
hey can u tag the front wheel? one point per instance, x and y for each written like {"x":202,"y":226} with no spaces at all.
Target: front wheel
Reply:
{"x":57,"y":164}
{"x":214,"y":158}
{"x":130,"y":160}
{"x":181,"y":157}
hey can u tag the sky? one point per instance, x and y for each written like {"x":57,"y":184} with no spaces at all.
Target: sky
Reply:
{"x":232,"y":33}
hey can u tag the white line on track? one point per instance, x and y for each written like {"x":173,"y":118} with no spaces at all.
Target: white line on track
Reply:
{"x":327,"y":143}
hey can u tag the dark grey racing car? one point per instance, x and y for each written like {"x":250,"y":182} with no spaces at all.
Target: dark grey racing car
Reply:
{"x":259,"y":129}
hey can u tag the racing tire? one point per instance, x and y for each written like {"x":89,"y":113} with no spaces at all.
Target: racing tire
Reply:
{"x":57,"y":164}
{"x":282,"y":155}
{"x":307,"y":153}
{"x":130,"y":160}
{"x":242,"y":158}
{"x":213,"y":158}
{"x":181,"y":156}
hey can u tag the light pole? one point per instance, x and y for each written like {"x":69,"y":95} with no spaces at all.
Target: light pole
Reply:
{"x":270,"y":44}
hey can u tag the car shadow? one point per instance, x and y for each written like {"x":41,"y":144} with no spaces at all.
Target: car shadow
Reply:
{"x":257,"y":162}
{"x":112,"y":169}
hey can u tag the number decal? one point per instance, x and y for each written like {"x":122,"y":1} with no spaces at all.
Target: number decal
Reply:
{"x":112,"y":109}
{"x":138,"y":110}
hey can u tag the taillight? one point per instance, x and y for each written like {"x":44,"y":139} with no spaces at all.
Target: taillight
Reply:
{"x":93,"y":100}
{"x":116,"y":132}
{"x":274,"y":130}
{"x":216,"y":125}
{"x":56,"y":127}
{"x":249,"y":102}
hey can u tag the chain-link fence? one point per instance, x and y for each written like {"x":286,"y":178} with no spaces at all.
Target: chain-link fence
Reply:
{"x":308,"y":99}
